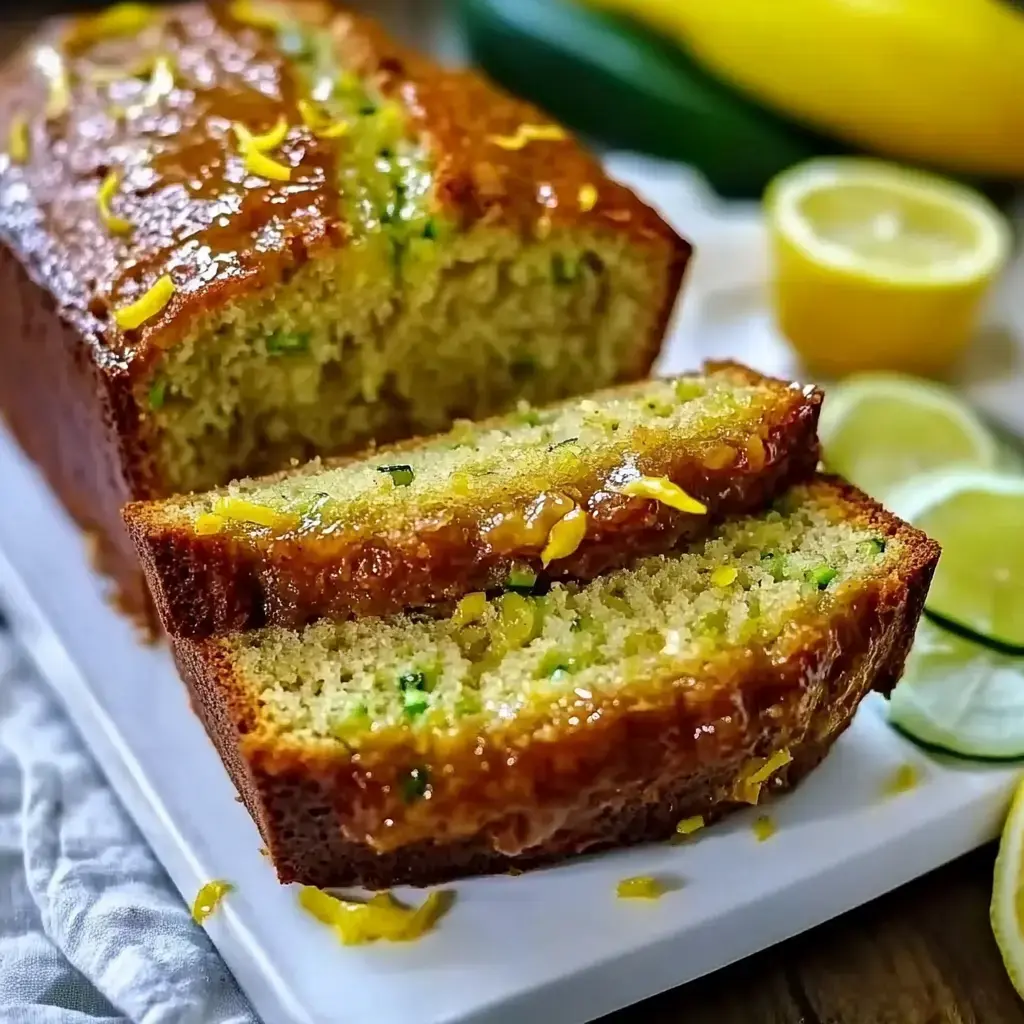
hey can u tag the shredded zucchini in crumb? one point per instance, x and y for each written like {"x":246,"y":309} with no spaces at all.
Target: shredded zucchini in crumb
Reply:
{"x":498,"y":656}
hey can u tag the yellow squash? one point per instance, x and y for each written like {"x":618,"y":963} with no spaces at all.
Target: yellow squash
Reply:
{"x":933,"y":81}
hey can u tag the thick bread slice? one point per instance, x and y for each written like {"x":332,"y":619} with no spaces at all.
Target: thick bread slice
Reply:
{"x":522,"y":730}
{"x":430,"y":520}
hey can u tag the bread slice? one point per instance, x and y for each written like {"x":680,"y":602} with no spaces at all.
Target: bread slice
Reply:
{"x":433,"y":519}
{"x":521,"y":729}
{"x":232,"y":234}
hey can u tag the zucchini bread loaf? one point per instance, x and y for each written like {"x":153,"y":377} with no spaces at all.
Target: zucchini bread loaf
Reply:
{"x":235,"y":235}
{"x":570,"y":490}
{"x":520,"y":728}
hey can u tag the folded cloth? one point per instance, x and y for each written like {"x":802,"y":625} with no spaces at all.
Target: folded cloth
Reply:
{"x":91,"y":928}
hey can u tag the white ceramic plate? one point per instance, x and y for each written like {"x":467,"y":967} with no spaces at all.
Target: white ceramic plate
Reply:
{"x":551,"y":946}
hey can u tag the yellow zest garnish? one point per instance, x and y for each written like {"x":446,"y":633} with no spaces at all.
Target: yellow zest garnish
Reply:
{"x":756,"y":455}
{"x":261,"y":143}
{"x":764,"y":828}
{"x":587,"y":198}
{"x":242,"y":511}
{"x":114,"y":224}
{"x":161,"y":83}
{"x":100,"y":75}
{"x":902,"y":780}
{"x":264,"y":167}
{"x":565,"y":536}
{"x":527,"y":133}
{"x":470,"y":609}
{"x":208,"y":899}
{"x":321,"y":126}
{"x":662,"y":489}
{"x":59,"y":97}
{"x":642,"y":887}
{"x":118,"y":20}
{"x":380,"y":917}
{"x":778,"y":760}
{"x":17,"y":139}
{"x":333,"y":131}
{"x":311,"y":117}
{"x":748,"y":788}
{"x":723,"y":576}
{"x":690,"y":825}
{"x":147,"y":306}
{"x":255,"y":14}
{"x":208,"y":524}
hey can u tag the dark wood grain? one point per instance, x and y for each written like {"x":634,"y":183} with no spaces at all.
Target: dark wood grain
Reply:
{"x":922,"y":955}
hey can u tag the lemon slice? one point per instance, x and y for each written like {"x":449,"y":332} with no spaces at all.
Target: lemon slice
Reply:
{"x":960,"y":697}
{"x":1006,"y":911}
{"x":978,"y":518}
{"x":880,"y":429}
{"x":880,"y":267}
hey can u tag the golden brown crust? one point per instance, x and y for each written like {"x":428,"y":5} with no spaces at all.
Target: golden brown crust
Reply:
{"x":220,"y":583}
{"x":71,"y":377}
{"x":180,"y":171}
{"x":604,"y":773}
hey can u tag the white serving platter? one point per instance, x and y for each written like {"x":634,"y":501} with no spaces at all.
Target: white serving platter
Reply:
{"x":551,"y":946}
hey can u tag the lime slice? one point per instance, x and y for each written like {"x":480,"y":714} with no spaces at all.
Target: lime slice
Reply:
{"x":877,"y":267}
{"x":1006,"y":911}
{"x":880,"y":429}
{"x":961,"y":697}
{"x":978,"y":518}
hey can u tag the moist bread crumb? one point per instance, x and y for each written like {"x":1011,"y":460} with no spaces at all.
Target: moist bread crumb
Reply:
{"x":430,"y":520}
{"x":528,"y":727}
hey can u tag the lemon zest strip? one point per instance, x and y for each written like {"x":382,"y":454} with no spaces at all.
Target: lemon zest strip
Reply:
{"x":209,"y":898}
{"x":662,"y":489}
{"x":565,"y":536}
{"x":264,"y":167}
{"x":240,"y":510}
{"x":690,"y":825}
{"x":527,"y":133}
{"x":17,"y":139}
{"x":587,"y":197}
{"x":641,"y":887}
{"x":114,"y":224}
{"x":146,"y":306}
{"x":261,"y":143}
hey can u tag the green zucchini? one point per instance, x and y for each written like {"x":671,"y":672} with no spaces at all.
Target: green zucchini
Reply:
{"x":628,"y":88}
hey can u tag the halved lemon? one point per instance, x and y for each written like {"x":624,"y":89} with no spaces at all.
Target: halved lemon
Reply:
{"x":880,"y":429}
{"x":878,"y":267}
{"x":978,"y":518}
{"x":1006,"y":911}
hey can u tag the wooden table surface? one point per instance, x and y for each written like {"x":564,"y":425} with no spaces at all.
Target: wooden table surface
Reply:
{"x":921,"y":955}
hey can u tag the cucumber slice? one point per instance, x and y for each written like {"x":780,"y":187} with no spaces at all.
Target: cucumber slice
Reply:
{"x":630,"y":89}
{"x":977,"y":516}
{"x":961,"y":697}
